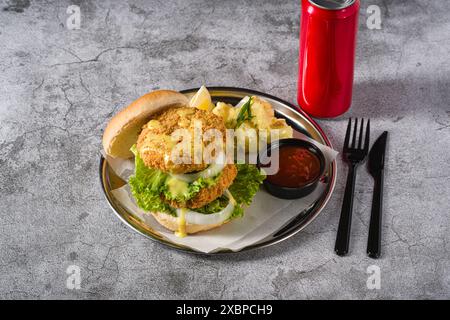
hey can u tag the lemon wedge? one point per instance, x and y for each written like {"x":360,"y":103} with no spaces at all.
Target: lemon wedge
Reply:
{"x":202,"y":100}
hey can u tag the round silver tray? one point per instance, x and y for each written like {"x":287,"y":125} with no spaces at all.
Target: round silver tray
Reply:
{"x":299,"y":120}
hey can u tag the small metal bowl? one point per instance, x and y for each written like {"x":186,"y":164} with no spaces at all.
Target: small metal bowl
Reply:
{"x":292,"y":192}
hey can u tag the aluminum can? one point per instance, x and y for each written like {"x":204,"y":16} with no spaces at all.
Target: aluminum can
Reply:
{"x":327,"y":56}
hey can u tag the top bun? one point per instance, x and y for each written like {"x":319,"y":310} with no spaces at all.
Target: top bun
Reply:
{"x":123,"y":129}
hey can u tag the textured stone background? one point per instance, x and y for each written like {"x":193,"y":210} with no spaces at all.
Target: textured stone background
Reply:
{"x":58,"y":87}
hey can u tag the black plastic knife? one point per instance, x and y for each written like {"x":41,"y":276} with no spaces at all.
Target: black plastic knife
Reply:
{"x":376,"y":169}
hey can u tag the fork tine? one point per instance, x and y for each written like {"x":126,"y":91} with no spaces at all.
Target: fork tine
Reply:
{"x":361,"y":134}
{"x":354,"y":133}
{"x":347,"y":134}
{"x":366,"y":143}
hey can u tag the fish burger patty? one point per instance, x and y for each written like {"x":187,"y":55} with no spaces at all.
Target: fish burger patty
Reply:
{"x":157,"y":140}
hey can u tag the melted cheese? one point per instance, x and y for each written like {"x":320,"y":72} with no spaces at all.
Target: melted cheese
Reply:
{"x":153,"y":124}
{"x":181,"y":224}
{"x":177,"y":187}
{"x":157,"y":143}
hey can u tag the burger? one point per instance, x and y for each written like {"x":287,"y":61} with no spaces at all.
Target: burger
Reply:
{"x":185,"y":188}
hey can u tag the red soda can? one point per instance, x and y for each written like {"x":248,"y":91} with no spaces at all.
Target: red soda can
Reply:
{"x":327,"y":56}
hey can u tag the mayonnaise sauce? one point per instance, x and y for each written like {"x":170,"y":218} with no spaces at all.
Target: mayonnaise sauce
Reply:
{"x":181,"y":233}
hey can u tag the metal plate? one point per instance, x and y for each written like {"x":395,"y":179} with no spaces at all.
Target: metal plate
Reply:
{"x":300,"y":121}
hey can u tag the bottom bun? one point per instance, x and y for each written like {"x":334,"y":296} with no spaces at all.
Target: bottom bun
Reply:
{"x":171,"y":223}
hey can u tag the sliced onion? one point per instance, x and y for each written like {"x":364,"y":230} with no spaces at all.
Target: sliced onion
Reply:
{"x":213,"y":169}
{"x":242,"y":102}
{"x":193,"y":217}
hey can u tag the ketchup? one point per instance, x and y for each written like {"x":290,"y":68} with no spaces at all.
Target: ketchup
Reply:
{"x":298,"y":167}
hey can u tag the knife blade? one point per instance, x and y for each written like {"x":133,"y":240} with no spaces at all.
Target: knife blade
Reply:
{"x":377,"y":154}
{"x":376,"y":162}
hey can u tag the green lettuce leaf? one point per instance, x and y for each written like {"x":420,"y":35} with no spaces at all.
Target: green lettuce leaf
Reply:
{"x":237,"y":212}
{"x":215,"y":206}
{"x":243,"y":190}
{"x":192,"y":189}
{"x":147,"y":185}
{"x":218,"y":205}
{"x":247,"y":183}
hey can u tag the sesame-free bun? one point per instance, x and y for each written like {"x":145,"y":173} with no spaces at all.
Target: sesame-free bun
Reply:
{"x":171,"y":223}
{"x":123,"y":129}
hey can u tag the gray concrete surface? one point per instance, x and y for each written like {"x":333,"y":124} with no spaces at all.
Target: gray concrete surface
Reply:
{"x":58,"y":87}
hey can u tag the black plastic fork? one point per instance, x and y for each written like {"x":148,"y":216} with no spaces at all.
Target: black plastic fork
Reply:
{"x":354,"y":154}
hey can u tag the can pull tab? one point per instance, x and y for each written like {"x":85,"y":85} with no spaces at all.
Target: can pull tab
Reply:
{"x":332,"y":4}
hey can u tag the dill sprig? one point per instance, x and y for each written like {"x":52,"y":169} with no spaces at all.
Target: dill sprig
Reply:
{"x":245,"y":113}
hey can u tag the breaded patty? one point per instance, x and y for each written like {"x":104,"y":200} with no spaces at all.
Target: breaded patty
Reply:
{"x":206,"y":195}
{"x":156,"y":142}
